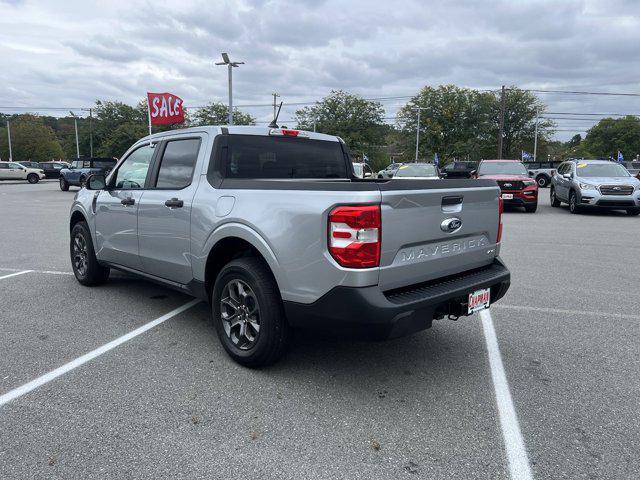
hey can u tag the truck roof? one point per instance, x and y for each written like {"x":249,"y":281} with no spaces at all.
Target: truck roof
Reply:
{"x":240,"y":130}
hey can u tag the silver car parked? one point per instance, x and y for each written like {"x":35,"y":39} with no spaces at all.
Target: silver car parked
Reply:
{"x":595,"y":184}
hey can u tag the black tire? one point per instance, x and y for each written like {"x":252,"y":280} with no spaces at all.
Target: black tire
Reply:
{"x":633,"y":211}
{"x":554,"y":200}
{"x":64,"y":185}
{"x":83,"y":181}
{"x":573,"y":202}
{"x":86,"y":268}
{"x":33,"y":178}
{"x":270,"y":342}
{"x":531,"y":208}
{"x":543,"y":181}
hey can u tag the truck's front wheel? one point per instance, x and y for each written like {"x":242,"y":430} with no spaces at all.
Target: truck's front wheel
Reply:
{"x":248,"y":313}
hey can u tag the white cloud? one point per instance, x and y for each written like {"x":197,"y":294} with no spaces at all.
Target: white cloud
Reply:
{"x":74,"y":52}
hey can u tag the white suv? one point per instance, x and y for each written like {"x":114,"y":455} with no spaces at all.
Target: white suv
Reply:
{"x":15,"y":171}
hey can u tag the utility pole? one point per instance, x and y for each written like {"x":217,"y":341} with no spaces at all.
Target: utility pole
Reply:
{"x":91,"y":131}
{"x":230,"y":65}
{"x":418,"y":132}
{"x":75,"y":121}
{"x":535,"y":138}
{"x":9,"y":134}
{"x":314,"y":125}
{"x":501,"y":132}
{"x":275,"y":95}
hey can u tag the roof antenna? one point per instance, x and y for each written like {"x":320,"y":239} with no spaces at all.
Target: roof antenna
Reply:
{"x":274,"y":123}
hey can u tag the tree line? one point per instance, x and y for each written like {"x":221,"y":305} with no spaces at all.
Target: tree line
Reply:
{"x":455,"y":123}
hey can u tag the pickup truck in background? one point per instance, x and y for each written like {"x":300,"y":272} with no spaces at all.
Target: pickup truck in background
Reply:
{"x":81,"y":169}
{"x":542,"y":172}
{"x":272,"y":227}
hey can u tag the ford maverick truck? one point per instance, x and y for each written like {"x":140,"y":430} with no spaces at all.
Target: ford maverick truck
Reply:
{"x":274,"y":230}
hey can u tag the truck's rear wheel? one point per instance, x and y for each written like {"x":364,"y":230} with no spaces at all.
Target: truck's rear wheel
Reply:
{"x":248,"y":313}
{"x":64,"y":186}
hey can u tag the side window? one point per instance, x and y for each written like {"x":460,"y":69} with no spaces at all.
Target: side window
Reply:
{"x":77,"y":164}
{"x":177,"y":164}
{"x":132,"y":173}
{"x":15,"y":166}
{"x":4,"y":166}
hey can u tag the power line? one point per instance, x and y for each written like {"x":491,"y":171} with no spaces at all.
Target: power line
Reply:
{"x":595,"y":114}
{"x":574,"y":92}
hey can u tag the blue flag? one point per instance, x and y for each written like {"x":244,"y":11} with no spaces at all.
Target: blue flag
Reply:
{"x":526,"y":156}
{"x":436,"y":159}
{"x":620,"y":156}
{"x":365,"y":159}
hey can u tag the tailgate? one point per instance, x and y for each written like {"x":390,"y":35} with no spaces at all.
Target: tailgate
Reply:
{"x":432,"y":229}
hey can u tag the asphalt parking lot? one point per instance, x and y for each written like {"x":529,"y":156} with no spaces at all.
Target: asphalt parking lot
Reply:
{"x":170,"y":404}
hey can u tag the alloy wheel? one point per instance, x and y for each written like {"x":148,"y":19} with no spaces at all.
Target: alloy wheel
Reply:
{"x":80,"y":254}
{"x":240,"y":314}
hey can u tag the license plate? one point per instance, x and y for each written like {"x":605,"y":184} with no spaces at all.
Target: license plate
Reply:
{"x":479,"y":300}
{"x":507,"y":196}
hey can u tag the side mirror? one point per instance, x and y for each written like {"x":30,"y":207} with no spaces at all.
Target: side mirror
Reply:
{"x":473,"y":173}
{"x":368,"y":175}
{"x":568,"y":176}
{"x":96,"y":181}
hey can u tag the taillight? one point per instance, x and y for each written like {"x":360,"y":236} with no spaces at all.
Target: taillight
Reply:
{"x":500,"y":211}
{"x":287,"y":132}
{"x":355,"y":235}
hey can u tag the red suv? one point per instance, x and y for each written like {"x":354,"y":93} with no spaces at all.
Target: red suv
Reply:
{"x":516,"y":186}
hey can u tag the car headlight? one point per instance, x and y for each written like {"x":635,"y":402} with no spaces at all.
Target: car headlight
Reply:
{"x":587,"y":186}
{"x":529,"y":182}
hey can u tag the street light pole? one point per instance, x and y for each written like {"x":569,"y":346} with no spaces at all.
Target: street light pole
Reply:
{"x":230,"y":66}
{"x":9,"y":134}
{"x":91,"y":131}
{"x":535,"y":139}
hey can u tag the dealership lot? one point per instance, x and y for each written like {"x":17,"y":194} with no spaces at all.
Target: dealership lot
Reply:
{"x":170,"y":403}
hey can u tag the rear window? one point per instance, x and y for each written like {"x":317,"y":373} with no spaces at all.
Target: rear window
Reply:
{"x":177,"y":164}
{"x":252,"y":156}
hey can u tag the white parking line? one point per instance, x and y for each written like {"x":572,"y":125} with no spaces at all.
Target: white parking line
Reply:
{"x":50,"y":272}
{"x":72,"y":365}
{"x":568,"y":312}
{"x":15,"y":274}
{"x":514,"y":444}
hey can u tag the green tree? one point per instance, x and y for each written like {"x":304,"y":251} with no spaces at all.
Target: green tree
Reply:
{"x":359,"y":122}
{"x":217,"y":113}
{"x":463,"y":123}
{"x":610,"y":135}
{"x":120,"y":139}
{"x":31,"y":139}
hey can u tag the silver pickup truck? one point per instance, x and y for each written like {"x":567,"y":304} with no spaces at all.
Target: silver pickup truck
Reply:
{"x":274,"y":230}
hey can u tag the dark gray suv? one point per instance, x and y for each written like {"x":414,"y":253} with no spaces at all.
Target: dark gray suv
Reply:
{"x":595,"y":184}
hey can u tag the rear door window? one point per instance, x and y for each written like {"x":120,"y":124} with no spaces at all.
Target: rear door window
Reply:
{"x":253,"y":156}
{"x":177,"y":163}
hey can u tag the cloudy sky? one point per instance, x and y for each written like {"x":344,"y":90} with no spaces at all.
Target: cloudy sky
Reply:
{"x":69,"y":53}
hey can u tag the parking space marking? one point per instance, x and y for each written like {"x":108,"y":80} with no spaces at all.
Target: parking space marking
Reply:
{"x":50,"y":272}
{"x":72,"y":365}
{"x":513,"y":442}
{"x":626,"y":316}
{"x":21,"y":272}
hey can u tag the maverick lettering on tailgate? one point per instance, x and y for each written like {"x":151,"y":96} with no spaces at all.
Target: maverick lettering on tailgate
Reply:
{"x":440,"y":249}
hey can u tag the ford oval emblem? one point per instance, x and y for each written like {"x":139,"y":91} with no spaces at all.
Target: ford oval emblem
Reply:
{"x":451,"y":225}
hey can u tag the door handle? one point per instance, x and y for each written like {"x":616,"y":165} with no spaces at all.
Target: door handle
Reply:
{"x":127,"y":201}
{"x":174,"y":203}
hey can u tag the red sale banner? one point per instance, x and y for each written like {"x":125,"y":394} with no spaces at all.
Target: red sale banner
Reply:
{"x":164,"y":108}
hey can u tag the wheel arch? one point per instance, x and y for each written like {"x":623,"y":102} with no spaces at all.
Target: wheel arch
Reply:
{"x":235,"y":241}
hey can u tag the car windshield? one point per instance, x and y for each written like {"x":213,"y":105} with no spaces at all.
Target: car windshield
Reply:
{"x":104,"y":163}
{"x":417,"y":171}
{"x":601,"y":170}
{"x":502,"y":168}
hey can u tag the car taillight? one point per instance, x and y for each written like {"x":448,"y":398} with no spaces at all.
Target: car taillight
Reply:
{"x":355,"y":234}
{"x":500,"y":211}
{"x":287,"y":132}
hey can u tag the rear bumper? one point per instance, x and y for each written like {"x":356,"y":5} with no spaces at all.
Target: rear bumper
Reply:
{"x":372,"y":313}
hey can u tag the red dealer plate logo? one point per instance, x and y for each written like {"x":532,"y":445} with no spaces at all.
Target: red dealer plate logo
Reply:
{"x":479,"y":300}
